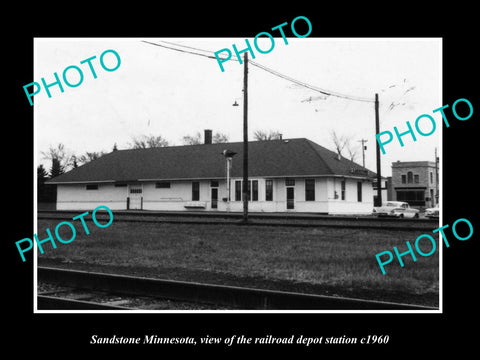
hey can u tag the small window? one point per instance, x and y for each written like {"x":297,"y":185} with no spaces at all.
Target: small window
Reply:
{"x":92,"y":187}
{"x":309,"y":189}
{"x":268,"y":190}
{"x":289,"y":182}
{"x":120,"y":185}
{"x":214,"y":183}
{"x":135,"y":190}
{"x":404,"y":179}
{"x":359,"y":191}
{"x":343,"y":189}
{"x":162,"y":185}
{"x":416,"y":179}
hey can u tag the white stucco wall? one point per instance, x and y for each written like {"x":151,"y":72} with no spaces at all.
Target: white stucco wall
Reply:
{"x":349,"y":205}
{"x":76,"y":197}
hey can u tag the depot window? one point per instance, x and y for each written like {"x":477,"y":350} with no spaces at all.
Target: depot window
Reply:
{"x":268,"y":190}
{"x":92,"y":187}
{"x":195,"y":190}
{"x":162,"y":185}
{"x":309,"y":189}
{"x":252,"y":190}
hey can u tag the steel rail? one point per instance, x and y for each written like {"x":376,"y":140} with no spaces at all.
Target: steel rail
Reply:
{"x":45,"y":302}
{"x":231,"y":296}
{"x":253,"y":215}
{"x":387,"y":224}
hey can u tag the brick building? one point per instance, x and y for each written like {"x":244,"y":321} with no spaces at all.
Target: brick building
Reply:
{"x":415,"y":182}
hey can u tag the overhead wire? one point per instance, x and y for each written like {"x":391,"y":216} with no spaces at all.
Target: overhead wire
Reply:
{"x":190,"y":47}
{"x":262,"y":67}
{"x":180,"y":50}
{"x":309,"y":86}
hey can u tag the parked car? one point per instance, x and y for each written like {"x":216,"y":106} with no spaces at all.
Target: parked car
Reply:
{"x":432,"y":212}
{"x":397,"y":209}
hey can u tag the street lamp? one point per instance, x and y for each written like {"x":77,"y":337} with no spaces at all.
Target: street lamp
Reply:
{"x":228,"y":157}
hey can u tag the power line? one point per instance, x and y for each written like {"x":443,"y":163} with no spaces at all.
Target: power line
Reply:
{"x":271,"y":71}
{"x":180,"y":50}
{"x":309,"y":86}
{"x":190,"y":47}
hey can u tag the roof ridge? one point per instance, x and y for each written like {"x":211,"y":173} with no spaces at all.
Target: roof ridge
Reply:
{"x":226,"y":143}
{"x":310,"y":143}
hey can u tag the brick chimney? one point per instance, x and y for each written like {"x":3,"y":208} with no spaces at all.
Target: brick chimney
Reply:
{"x":208,"y":136}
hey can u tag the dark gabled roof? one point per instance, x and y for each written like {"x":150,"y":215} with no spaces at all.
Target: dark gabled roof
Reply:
{"x":273,"y":158}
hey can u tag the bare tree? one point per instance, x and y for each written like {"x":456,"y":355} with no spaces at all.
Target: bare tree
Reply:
{"x":148,"y":141}
{"x":352,"y":151}
{"x":196,"y":139}
{"x":264,"y":135}
{"x":343,"y":142}
{"x":88,"y":156}
{"x":192,"y":139}
{"x":61,"y":159}
{"x":339,"y":141}
{"x":220,"y":138}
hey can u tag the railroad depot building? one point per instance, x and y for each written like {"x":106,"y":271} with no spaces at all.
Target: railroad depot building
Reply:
{"x":294,"y":175}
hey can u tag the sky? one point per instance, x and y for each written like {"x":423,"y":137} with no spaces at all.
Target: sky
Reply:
{"x":158,"y":91}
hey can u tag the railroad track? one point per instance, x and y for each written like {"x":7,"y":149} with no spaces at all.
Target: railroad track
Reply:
{"x":208,"y":295}
{"x":288,"y":220}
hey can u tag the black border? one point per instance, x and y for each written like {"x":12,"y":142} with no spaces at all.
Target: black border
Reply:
{"x":409,"y":333}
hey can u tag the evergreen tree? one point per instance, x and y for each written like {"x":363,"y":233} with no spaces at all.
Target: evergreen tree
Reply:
{"x":42,"y":176}
{"x":56,"y":168}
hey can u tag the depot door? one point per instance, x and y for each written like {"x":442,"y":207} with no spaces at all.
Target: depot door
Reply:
{"x":214,"y":198}
{"x":135,"y":197}
{"x":290,"y":198}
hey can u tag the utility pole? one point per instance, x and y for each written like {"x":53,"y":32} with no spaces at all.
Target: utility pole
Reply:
{"x":363,"y":141}
{"x":379,"y":171}
{"x":245,"y":138}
